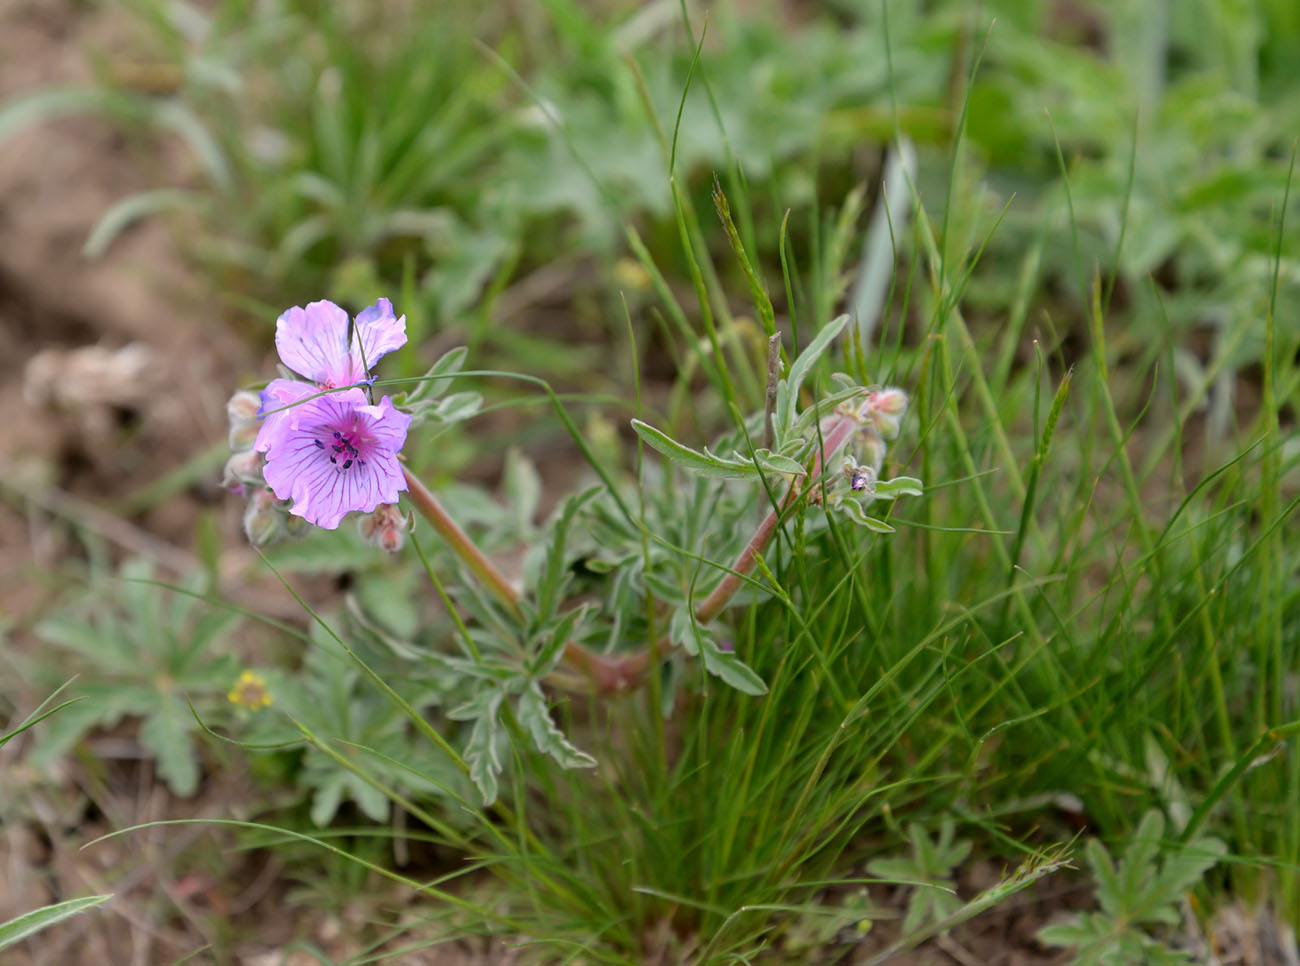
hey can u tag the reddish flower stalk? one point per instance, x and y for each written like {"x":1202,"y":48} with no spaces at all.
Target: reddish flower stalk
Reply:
{"x":839,"y":433}
{"x":433,"y":511}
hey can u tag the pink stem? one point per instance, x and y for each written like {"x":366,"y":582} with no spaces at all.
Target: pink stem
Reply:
{"x":832,"y":442}
{"x":433,"y":511}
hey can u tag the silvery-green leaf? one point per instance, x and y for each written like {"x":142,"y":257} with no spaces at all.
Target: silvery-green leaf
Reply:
{"x":858,"y":515}
{"x":775,"y":463}
{"x":898,"y":486}
{"x":457,"y":407}
{"x":36,"y":920}
{"x":683,"y":631}
{"x":710,"y":464}
{"x":803,"y":425}
{"x":788,"y":393}
{"x":438,"y":379}
{"x":733,"y":671}
{"x":481,"y":750}
{"x":523,"y":489}
{"x":550,"y":740}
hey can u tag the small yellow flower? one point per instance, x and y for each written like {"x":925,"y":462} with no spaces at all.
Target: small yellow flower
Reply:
{"x":631,"y":275}
{"x":250,"y":692}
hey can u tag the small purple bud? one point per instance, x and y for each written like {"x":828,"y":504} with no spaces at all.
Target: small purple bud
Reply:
{"x":862,"y":479}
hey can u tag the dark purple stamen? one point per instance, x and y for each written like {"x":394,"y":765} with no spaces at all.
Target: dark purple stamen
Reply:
{"x":342,"y":448}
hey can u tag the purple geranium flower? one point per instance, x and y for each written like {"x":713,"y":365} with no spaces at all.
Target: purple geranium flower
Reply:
{"x":336,"y":452}
{"x":340,"y":455}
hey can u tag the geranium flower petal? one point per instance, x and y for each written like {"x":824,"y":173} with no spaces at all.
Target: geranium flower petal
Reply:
{"x":277,"y":412}
{"x":376,"y":333}
{"x":313,"y":342}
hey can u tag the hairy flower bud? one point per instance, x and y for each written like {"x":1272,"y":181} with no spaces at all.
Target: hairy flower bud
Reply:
{"x":242,"y":471}
{"x":386,"y":527}
{"x":871,"y":451}
{"x":892,"y":402}
{"x":263,"y":518}
{"x":883,"y":410}
{"x":241,"y":411}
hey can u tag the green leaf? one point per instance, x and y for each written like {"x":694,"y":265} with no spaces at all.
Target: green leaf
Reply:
{"x":858,"y":514}
{"x":701,"y":641}
{"x":1140,"y":889}
{"x":177,"y":117}
{"x":481,"y":749}
{"x":560,"y":634}
{"x":329,"y":794}
{"x":550,"y":740}
{"x":554,"y":574}
{"x":435,"y":383}
{"x":788,"y":392}
{"x":733,"y":671}
{"x":523,"y":490}
{"x":167,"y":734}
{"x":51,"y":104}
{"x":372,"y":802}
{"x":457,"y":407}
{"x":32,"y":922}
{"x":710,"y":464}
{"x":899,"y":486}
{"x":931,"y":861}
{"x":131,"y":209}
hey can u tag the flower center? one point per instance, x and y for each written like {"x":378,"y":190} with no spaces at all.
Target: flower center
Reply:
{"x":342,"y":449}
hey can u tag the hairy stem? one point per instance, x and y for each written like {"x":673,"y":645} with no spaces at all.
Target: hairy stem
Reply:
{"x":836,"y":435}
{"x":433,"y":511}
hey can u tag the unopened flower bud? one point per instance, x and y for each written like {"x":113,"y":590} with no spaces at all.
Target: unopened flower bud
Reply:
{"x":241,"y":411}
{"x":892,"y":402}
{"x":862,"y":479}
{"x":242,"y":471}
{"x":871,"y":451}
{"x":883,"y":410}
{"x":386,"y":527}
{"x":294,"y":525}
{"x":263,"y":518}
